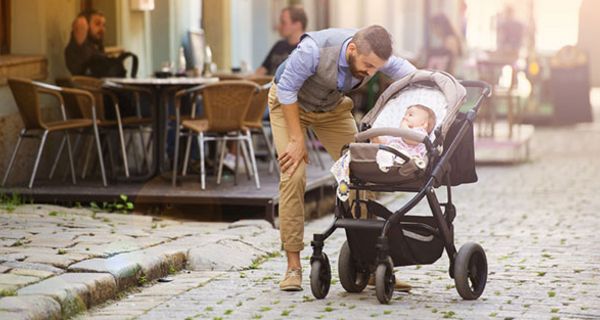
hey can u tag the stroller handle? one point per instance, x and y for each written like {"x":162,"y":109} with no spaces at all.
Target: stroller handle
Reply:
{"x":486,"y":89}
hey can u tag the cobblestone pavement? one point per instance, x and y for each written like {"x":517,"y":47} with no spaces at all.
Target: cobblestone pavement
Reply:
{"x":537,"y":221}
{"x":56,"y":261}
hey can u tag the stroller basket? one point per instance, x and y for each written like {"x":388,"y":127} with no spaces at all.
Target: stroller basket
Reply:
{"x":415,"y":240}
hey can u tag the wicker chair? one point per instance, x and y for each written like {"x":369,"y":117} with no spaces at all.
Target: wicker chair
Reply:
{"x":225,"y":106}
{"x":26,"y":93}
{"x":101,"y":91}
{"x":254,"y":117}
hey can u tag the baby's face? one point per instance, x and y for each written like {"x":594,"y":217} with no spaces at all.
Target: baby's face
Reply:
{"x":415,"y":118}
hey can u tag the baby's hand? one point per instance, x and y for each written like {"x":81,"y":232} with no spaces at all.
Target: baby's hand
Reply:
{"x":376,"y":140}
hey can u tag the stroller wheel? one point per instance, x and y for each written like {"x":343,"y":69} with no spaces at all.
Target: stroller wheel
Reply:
{"x":352,"y":279}
{"x":320,"y":277}
{"x":470,"y":271}
{"x":385,"y":281}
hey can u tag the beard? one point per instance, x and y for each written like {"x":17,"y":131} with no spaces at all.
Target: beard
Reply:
{"x":353,"y":70}
{"x":99,"y":42}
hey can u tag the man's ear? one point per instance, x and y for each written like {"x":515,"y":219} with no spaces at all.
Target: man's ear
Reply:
{"x":351,"y":47}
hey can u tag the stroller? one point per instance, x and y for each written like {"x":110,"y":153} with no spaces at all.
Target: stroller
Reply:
{"x":390,"y":239}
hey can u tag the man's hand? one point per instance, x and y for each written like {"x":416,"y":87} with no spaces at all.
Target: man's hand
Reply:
{"x":291,"y":157}
{"x":295,"y":151}
{"x":80,"y":30}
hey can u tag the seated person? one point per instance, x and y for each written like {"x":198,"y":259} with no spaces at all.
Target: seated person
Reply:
{"x":446,"y":49}
{"x":292,"y":25}
{"x":417,"y":117}
{"x":86,"y":43}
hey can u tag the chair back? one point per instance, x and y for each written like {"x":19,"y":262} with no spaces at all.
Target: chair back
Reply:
{"x":28,"y":102}
{"x":259,"y":102}
{"x":226,"y":104}
{"x":72,"y":102}
{"x":260,"y":80}
{"x":94,"y":86}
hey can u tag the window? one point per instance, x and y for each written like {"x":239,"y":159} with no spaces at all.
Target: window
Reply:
{"x":4,"y":26}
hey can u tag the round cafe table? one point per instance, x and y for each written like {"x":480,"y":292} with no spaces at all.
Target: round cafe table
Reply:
{"x":160,"y":87}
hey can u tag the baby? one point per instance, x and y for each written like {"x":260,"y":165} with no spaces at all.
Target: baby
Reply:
{"x":418,"y":118}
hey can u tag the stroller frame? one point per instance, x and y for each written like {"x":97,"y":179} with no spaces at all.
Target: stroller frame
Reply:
{"x":468,"y":264}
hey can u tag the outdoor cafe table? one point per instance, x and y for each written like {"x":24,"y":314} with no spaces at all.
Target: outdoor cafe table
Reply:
{"x":160,"y":86}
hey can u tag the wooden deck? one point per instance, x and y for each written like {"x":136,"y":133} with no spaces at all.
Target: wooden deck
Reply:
{"x":159,"y":192}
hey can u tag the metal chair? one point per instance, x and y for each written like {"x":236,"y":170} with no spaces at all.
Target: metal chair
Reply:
{"x":225,"y":107}
{"x":254,"y":117}
{"x":102,"y":90}
{"x":26,"y":93}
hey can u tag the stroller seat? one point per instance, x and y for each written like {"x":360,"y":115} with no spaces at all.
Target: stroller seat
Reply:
{"x":435,"y":90}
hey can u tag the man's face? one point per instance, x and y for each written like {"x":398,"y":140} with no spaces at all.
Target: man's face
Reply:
{"x":97,"y":27}
{"x":363,"y":65}
{"x":286,"y":26}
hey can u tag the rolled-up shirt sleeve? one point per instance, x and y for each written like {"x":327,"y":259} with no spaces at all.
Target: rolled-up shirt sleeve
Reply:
{"x":300,"y":65}
{"x":397,"y":68}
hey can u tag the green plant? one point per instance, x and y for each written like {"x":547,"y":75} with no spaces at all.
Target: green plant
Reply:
{"x":142,"y":280}
{"x":61,"y":251}
{"x":8,"y":292}
{"x":122,"y":205}
{"x":448,"y":314}
{"x":10,"y":203}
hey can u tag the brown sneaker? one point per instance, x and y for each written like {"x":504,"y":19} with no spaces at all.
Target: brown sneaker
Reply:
{"x":399,"y":286}
{"x":292,"y":280}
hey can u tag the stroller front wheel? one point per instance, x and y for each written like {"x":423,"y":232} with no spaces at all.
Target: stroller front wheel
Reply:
{"x":352,"y":279}
{"x":320,"y":277}
{"x":470,"y":271}
{"x":385,"y":281}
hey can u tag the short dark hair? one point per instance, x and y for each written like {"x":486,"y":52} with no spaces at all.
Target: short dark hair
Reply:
{"x":88,"y":13}
{"x":297,"y":14}
{"x":373,"y":39}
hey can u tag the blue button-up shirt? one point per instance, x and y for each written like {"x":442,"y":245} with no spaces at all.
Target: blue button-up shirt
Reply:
{"x":303,"y":63}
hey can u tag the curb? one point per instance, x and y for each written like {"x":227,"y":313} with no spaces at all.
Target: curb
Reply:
{"x":94,"y":281}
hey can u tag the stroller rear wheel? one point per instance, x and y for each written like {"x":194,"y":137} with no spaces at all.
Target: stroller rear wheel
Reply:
{"x":385,"y":281}
{"x":352,"y":279}
{"x":470,"y":271}
{"x":320,"y":277}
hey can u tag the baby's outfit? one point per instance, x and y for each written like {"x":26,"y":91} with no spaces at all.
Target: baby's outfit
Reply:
{"x":385,"y":160}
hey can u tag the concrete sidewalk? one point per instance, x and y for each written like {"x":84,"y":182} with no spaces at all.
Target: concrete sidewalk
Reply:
{"x":56,"y":262}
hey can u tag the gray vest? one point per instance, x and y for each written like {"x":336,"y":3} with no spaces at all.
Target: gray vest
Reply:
{"x":320,"y":93}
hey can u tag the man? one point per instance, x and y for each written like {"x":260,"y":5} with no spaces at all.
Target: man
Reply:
{"x":509,"y":33}
{"x":86,"y":43}
{"x":309,"y":90}
{"x":292,"y":24}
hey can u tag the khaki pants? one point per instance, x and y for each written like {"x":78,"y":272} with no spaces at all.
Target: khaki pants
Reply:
{"x":334,"y":129}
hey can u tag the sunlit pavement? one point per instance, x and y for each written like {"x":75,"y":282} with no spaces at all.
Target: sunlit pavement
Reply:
{"x":537,"y":221}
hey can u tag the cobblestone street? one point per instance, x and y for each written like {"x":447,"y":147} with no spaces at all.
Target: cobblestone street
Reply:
{"x":537,"y":221}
